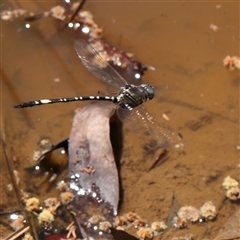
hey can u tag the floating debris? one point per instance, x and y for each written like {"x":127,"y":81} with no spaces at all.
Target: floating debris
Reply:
{"x":58,"y":12}
{"x":179,"y":222}
{"x":233,"y":193}
{"x":71,"y":231}
{"x":32,"y":204}
{"x":184,"y":214}
{"x":139,"y":223}
{"x":189,"y":213}
{"x":213,"y":27}
{"x":18,"y":223}
{"x":231,"y":185}
{"x":96,"y":219}
{"x":105,"y":226}
{"x":16,"y":176}
{"x":52,"y":204}
{"x":132,"y":216}
{"x":86,"y":15}
{"x":208,"y":210}
{"x":9,"y":15}
{"x":165,"y":117}
{"x":231,"y":62}
{"x":145,"y":233}
{"x":56,"y":80}
{"x":229,"y":182}
{"x":10,"y":187}
{"x":158,"y":227}
{"x":121,"y":221}
{"x":62,"y":186}
{"x":89,"y":169}
{"x":66,"y":197}
{"x":45,"y":216}
{"x":28,"y":236}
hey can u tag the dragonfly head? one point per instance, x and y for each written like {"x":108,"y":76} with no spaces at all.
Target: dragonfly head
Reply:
{"x":149,"y":89}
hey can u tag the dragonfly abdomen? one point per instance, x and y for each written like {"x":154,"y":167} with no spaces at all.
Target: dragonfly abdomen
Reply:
{"x":62,"y":100}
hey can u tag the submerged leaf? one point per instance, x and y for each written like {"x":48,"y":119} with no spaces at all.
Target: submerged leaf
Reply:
{"x":92,"y":170}
{"x":231,"y":229}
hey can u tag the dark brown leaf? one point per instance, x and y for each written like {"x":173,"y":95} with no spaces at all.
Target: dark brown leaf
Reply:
{"x":120,"y":235}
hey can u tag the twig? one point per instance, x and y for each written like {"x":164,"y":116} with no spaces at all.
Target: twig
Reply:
{"x":159,"y":159}
{"x":9,"y":212}
{"x":18,"y":233}
{"x":75,"y":12}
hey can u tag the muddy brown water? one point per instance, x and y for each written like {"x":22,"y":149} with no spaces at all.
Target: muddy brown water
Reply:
{"x":202,"y":101}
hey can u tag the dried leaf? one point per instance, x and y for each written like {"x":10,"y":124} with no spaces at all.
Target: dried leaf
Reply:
{"x":119,"y":235}
{"x":92,"y":170}
{"x":231,"y":229}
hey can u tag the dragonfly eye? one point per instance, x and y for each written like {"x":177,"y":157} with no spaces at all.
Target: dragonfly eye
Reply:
{"x":149,"y":89}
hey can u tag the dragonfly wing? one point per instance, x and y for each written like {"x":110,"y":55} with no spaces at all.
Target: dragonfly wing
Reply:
{"x":125,"y":114}
{"x":139,"y":120}
{"x":97,"y":65}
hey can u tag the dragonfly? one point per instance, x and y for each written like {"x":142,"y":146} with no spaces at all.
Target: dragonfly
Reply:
{"x":128,"y":100}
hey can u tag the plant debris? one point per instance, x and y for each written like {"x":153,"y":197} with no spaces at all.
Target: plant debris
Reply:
{"x":231,"y":62}
{"x":188,"y":213}
{"x":231,"y":229}
{"x":232,"y":189}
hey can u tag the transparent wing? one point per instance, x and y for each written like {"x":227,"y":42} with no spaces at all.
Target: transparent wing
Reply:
{"x":125,"y":114}
{"x":97,"y":65}
{"x":139,"y":120}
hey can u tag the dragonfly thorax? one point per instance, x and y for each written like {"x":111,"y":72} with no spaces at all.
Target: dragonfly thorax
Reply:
{"x":132,"y":96}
